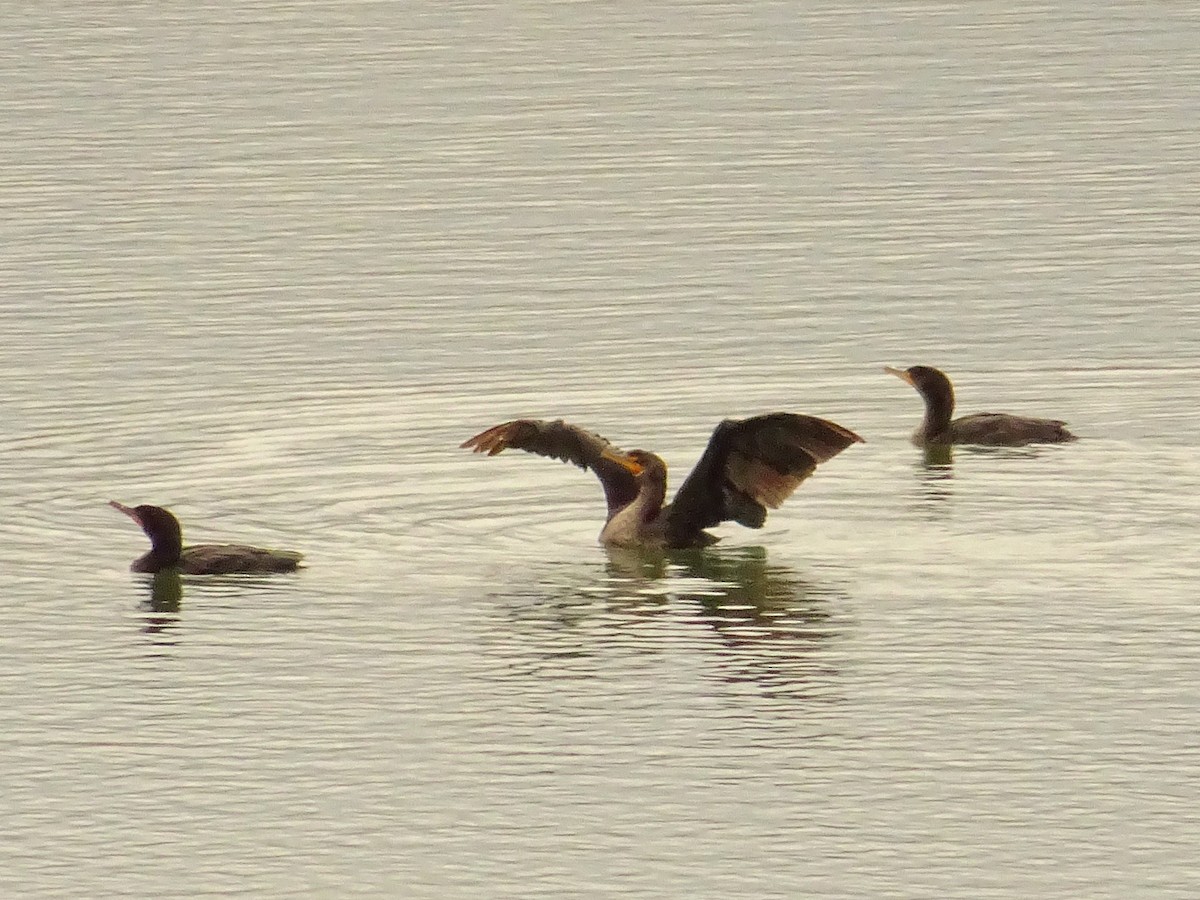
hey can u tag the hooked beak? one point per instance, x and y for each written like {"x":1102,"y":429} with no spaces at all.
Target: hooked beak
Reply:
{"x":129,"y":511}
{"x":899,"y":373}
{"x":621,"y":460}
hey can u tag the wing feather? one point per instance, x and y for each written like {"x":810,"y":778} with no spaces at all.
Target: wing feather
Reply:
{"x":228,"y":559}
{"x":562,"y":441}
{"x":1006,"y":429}
{"x":752,"y":465}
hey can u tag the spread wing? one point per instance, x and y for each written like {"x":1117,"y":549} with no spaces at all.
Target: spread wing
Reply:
{"x":566,"y":442}
{"x":752,"y":465}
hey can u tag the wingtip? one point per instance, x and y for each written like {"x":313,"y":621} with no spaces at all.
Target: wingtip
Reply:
{"x":491,"y":441}
{"x":478,"y":443}
{"x":854,"y":436}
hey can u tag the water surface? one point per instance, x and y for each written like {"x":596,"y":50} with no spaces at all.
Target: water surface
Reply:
{"x":270,"y":266}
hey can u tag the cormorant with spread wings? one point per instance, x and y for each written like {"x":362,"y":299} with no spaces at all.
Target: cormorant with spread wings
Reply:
{"x":750,"y":465}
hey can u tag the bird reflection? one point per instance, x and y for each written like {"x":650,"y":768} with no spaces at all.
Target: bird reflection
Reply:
{"x":939,"y":457}
{"x":772,"y":624}
{"x":935,"y":475}
{"x":747,"y":622}
{"x":935,"y":469}
{"x":164,"y":603}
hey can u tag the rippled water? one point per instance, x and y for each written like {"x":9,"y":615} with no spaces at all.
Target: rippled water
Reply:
{"x":269,"y":265}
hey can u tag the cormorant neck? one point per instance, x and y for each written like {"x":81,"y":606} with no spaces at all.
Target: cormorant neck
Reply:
{"x":939,"y":407}
{"x":652,"y":493}
{"x":637,"y":522}
{"x":165,"y":550}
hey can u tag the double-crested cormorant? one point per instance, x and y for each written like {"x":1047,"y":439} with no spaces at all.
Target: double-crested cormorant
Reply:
{"x":993,"y":429}
{"x":750,"y":466}
{"x":167,"y":550}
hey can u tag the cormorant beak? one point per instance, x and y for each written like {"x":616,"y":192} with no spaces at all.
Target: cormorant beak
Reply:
{"x":132,"y":513}
{"x":899,"y":373}
{"x":624,"y":462}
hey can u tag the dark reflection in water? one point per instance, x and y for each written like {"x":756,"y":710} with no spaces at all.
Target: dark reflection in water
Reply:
{"x":935,"y":476}
{"x":935,"y":469}
{"x":771,"y":623}
{"x":164,"y":603}
{"x":752,"y":622}
{"x":939,"y":457}
{"x":164,"y":606}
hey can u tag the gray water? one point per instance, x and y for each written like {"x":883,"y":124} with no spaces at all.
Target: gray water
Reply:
{"x":269,"y":264}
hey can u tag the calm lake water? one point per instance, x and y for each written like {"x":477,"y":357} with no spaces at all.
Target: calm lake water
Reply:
{"x":269,"y":264}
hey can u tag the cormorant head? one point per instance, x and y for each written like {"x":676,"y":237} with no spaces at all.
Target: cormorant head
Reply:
{"x":931,"y":383}
{"x":646,"y":462}
{"x":159,"y":524}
